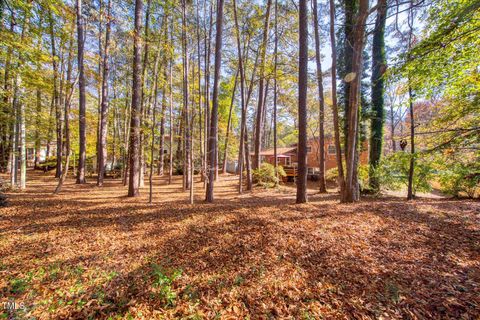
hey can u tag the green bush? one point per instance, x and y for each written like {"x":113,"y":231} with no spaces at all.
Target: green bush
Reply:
{"x":393,"y":170}
{"x":265,"y":175}
{"x":459,"y":179}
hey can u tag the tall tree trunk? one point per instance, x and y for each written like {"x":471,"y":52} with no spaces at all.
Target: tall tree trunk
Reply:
{"x":379,"y":63}
{"x":70,"y":88}
{"x":22,"y":142}
{"x":336,"y":120}
{"x":82,"y":98}
{"x":243,"y":125}
{"x":133,"y":183}
{"x":302,"y":102}
{"x":6,"y":121}
{"x":146,"y":42}
{"x":186,"y":111}
{"x":56,"y":99}
{"x":411,"y":169}
{"x":170,"y":102}
{"x":212,"y":138}
{"x":229,"y":123}
{"x":321,"y":101}
{"x":102,"y":152}
{"x":351,"y":190}
{"x":260,"y":106}
{"x":275,"y":92}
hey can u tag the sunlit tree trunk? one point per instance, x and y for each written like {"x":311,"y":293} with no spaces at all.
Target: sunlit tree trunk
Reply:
{"x":56,"y":98}
{"x":81,"y":92}
{"x":321,"y":101}
{"x":225,"y":152}
{"x":212,"y":139}
{"x":186,"y":109}
{"x":102,"y":152}
{"x":260,"y":100}
{"x":70,"y":88}
{"x":351,"y":189}
{"x":146,"y":42}
{"x":336,"y":120}
{"x":275,"y":92}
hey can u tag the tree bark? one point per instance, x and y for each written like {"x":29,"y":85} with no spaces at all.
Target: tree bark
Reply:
{"x":186,"y":111}
{"x":102,"y":154}
{"x":379,"y":62}
{"x":302,"y":102}
{"x":212,"y":141}
{"x":225,"y":152}
{"x":336,"y":121}
{"x":133,"y":183}
{"x":82,"y":98}
{"x":56,"y":99}
{"x":411,"y":169}
{"x":260,"y":106}
{"x":321,"y":102}
{"x":351,"y":192}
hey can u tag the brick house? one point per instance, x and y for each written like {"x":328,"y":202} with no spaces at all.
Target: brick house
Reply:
{"x":287,"y":157}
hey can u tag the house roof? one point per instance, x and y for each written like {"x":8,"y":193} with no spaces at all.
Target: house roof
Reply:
{"x":280,"y":151}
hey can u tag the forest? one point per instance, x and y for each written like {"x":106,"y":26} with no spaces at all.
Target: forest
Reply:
{"x":274,"y":159}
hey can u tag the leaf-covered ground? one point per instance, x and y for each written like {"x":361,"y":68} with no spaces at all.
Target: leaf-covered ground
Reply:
{"x":93,"y":253}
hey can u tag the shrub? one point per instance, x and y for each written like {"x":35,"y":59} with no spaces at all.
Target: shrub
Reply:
{"x":393,"y":170}
{"x":265,"y":175}
{"x":331,"y":174}
{"x":458,"y":179}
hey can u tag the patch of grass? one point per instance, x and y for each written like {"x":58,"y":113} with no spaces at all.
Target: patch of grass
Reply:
{"x":239,"y":280}
{"x":393,"y":292}
{"x":18,"y":285}
{"x":163,"y":279}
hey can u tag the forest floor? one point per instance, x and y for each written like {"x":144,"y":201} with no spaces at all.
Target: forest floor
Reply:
{"x":91,"y":252}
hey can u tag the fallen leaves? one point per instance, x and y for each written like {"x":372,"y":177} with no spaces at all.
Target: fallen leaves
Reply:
{"x":89,"y":253}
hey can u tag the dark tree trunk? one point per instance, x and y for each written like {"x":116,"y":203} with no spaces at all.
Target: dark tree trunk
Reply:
{"x":82,"y":98}
{"x":411,"y":169}
{"x":134,"y":149}
{"x":302,"y":102}
{"x":378,"y":88}
{"x":212,"y":138}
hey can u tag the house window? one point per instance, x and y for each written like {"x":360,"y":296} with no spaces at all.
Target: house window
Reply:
{"x":331,"y":149}
{"x":309,"y":149}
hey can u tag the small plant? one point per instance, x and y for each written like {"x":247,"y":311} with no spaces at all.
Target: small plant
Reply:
{"x":266,"y":177}
{"x":163,"y":281}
